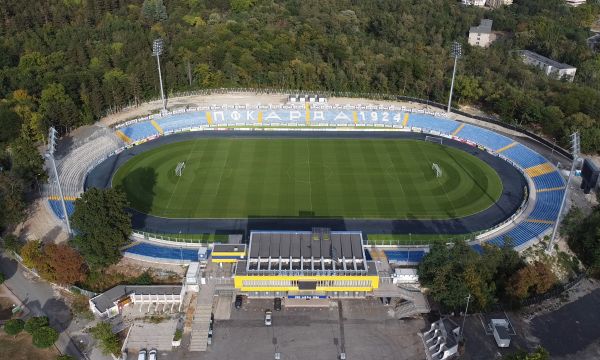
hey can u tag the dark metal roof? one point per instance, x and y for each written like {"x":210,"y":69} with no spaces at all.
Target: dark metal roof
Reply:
{"x":306,"y":244}
{"x":107,"y":299}
{"x":229,"y":248}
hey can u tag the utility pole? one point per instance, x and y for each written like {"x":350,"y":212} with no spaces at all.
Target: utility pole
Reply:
{"x":456,"y":53}
{"x":50,"y":156}
{"x":462,"y":328}
{"x":575,"y":149}
{"x":157,"y":50}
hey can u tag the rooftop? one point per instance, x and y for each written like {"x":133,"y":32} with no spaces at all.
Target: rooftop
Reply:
{"x":305,"y":244}
{"x":107,"y":299}
{"x":229,"y":248}
{"x":485,"y":27}
{"x":543,"y":59}
{"x":320,"y":252}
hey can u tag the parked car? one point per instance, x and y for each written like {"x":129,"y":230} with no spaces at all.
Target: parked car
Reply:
{"x":268,"y":318}
{"x":142,"y":354}
{"x":209,"y":340}
{"x":238,"y":301}
{"x":152,"y":354}
{"x":277,"y":304}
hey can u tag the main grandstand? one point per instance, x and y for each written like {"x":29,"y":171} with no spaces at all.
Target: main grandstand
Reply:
{"x":534,"y":216}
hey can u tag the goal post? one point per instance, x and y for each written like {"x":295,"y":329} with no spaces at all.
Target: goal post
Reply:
{"x":437,"y":170}
{"x":179,"y":169}
{"x":435,"y":139}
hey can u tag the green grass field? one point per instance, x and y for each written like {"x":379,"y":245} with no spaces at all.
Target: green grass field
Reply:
{"x":351,"y":178}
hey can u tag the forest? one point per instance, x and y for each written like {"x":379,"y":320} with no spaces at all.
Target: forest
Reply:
{"x":66,"y":63}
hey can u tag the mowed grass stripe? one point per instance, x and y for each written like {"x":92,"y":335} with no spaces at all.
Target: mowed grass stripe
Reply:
{"x":358,"y":178}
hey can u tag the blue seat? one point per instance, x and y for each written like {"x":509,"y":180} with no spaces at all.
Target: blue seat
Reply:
{"x":521,"y":234}
{"x":405,"y":256}
{"x":429,"y":122}
{"x":140,"y":131}
{"x":523,"y":156}
{"x":182,"y":121}
{"x":548,"y":181}
{"x":547,"y":205}
{"x":164,"y":252}
{"x":56,"y":207}
{"x":483,"y":137}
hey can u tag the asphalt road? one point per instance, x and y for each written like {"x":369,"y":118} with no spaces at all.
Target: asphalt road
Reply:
{"x":39,"y":297}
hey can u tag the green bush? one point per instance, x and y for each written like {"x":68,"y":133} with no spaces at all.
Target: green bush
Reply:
{"x":44,"y":337}
{"x":14,"y":326}
{"x":35,"y":323}
{"x":2,"y":278}
{"x":65,"y":357}
{"x":109,"y":342}
{"x":178,"y":335}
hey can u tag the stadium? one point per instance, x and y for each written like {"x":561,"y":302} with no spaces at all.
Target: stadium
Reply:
{"x":383,"y":171}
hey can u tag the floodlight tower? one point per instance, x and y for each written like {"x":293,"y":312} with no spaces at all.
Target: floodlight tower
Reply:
{"x":575,"y":149}
{"x":50,"y":155}
{"x":157,"y":50}
{"x":456,"y":53}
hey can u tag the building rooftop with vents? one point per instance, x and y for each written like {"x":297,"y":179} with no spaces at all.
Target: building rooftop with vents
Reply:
{"x":320,"y":252}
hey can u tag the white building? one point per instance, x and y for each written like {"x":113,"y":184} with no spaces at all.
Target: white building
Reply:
{"x":575,"y":2}
{"x":482,"y":35}
{"x":480,"y":3}
{"x":150,"y":297}
{"x":497,"y":3}
{"x":549,"y":66}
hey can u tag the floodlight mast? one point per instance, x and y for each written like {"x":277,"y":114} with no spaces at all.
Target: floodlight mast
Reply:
{"x":157,"y":50}
{"x":575,"y":151}
{"x":50,"y":155}
{"x":456,"y":53}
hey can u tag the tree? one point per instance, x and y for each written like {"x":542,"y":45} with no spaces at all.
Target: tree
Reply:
{"x":241,"y":5}
{"x":533,"y":279}
{"x":66,"y":265}
{"x":12,"y":201}
{"x":35,"y":323}
{"x":44,"y":337}
{"x":453,"y":273}
{"x":28,"y":164}
{"x":14,"y":326}
{"x":12,"y":243}
{"x":154,"y":10}
{"x":109,"y":342}
{"x":582,"y":237}
{"x":2,"y":278}
{"x":57,"y":108}
{"x":538,"y":354}
{"x":103,"y":226}
{"x":32,"y":254}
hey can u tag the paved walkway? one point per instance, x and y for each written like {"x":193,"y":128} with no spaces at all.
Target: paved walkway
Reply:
{"x":43,"y":300}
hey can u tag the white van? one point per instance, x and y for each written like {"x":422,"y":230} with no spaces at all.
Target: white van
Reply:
{"x":142,"y":354}
{"x":152,"y":354}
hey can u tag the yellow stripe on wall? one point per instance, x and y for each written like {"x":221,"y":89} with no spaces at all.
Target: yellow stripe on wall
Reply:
{"x":260,"y":117}
{"x":405,"y":121}
{"x":124,"y":137}
{"x":209,"y":118}
{"x":355,"y":117}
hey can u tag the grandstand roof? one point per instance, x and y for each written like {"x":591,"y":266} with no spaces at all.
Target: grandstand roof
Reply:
{"x":320,"y":252}
{"x":306,"y":245}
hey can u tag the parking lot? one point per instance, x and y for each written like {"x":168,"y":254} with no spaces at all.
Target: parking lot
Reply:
{"x":362,"y":328}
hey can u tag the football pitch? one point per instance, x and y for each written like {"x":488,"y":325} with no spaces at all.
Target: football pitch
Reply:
{"x":278,"y":178}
